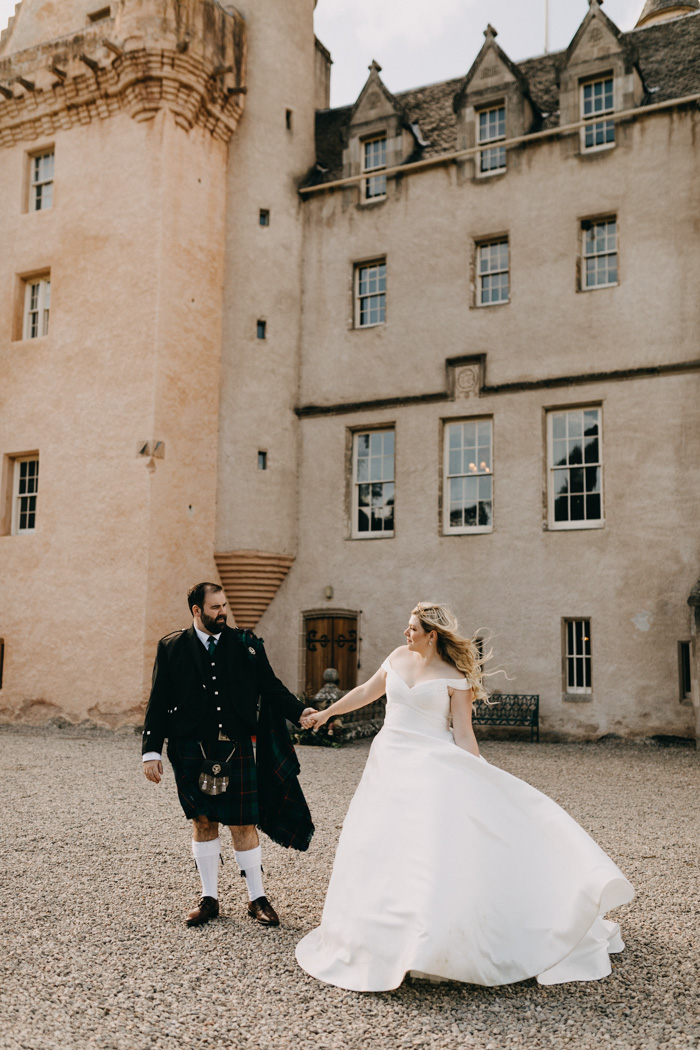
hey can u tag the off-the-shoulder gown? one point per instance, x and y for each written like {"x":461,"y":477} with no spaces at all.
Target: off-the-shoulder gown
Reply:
{"x":450,"y":867}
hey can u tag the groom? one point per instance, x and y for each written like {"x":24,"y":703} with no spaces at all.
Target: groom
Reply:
{"x":207,"y":681}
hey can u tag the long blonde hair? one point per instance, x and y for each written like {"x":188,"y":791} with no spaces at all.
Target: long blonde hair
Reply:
{"x":466,"y":654}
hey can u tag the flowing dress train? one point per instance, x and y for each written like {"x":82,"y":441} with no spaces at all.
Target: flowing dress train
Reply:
{"x":452,"y":868}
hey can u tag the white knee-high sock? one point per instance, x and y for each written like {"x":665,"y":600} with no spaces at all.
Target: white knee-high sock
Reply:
{"x":206,"y":855}
{"x":250,"y":863}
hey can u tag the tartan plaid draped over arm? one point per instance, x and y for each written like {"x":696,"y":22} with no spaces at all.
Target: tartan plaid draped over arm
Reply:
{"x":284,"y":813}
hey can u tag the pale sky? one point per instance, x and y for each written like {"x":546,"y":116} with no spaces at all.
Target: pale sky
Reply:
{"x":418,"y":42}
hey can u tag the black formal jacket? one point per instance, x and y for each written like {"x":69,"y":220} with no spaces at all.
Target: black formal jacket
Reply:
{"x":179,"y":705}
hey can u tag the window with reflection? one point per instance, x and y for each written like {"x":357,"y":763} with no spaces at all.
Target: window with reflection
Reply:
{"x":578,"y":656}
{"x":373,"y":484}
{"x":468,"y":479}
{"x":575,"y":468}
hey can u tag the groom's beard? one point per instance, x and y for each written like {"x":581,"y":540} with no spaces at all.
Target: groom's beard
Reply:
{"x":214,"y":624}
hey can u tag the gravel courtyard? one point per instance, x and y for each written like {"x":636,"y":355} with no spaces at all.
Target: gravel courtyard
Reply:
{"x":97,"y":874}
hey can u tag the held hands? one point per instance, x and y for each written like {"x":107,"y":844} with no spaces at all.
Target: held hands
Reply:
{"x":312,"y":719}
{"x":153,"y":770}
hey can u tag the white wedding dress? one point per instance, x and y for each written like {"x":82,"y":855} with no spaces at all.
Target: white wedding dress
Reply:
{"x":449,"y":867}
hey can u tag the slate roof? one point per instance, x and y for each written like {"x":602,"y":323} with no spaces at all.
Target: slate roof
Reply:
{"x":668,"y":59}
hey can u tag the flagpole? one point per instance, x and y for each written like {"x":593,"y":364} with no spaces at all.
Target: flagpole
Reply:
{"x":546,"y":26}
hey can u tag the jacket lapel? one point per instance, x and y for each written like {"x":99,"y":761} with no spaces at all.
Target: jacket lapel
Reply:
{"x":232,"y":651}
{"x":197,"y":650}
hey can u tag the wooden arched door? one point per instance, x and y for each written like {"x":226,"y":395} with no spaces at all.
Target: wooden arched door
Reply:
{"x":330,"y":640}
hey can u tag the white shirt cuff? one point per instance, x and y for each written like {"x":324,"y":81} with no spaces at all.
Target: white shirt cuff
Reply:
{"x":152,"y":756}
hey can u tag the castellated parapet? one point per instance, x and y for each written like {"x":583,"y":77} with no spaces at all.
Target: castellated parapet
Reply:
{"x":187,"y":57}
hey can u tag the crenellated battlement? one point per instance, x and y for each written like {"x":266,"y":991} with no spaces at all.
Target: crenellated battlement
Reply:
{"x":188,"y":58}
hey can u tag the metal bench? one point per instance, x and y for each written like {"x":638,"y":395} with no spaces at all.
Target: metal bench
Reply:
{"x":510,"y":709}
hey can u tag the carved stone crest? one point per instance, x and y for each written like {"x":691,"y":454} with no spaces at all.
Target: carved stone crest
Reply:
{"x":467,"y":381}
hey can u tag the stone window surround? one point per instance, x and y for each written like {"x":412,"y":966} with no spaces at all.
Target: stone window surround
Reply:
{"x":628,"y":92}
{"x":399,"y":145}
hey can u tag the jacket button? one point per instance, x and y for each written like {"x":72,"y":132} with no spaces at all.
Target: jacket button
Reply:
{"x":213,"y":678}
{"x":216,"y":694}
{"x":218,"y":709}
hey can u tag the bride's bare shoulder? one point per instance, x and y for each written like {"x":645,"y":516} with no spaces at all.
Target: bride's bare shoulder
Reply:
{"x":398,"y":655}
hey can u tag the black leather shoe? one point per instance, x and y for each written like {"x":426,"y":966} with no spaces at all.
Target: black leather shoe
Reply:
{"x":208,"y":908}
{"x":262,"y":911}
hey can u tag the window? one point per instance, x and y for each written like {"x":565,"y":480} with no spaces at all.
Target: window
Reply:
{"x":373,"y":484}
{"x":264,"y":217}
{"x":2,"y":658}
{"x":597,"y":98}
{"x":41,"y":180}
{"x":468,"y":499}
{"x":370,"y":294}
{"x":492,"y":128}
{"x":493,"y":282}
{"x":288,"y":118}
{"x":577,"y":656}
{"x":575,"y":469}
{"x":374,"y":159}
{"x":599,"y":253}
{"x":262,"y":460}
{"x":684,"y":672}
{"x":97,"y":16}
{"x":37,"y":301}
{"x":262,"y":329}
{"x":24,"y":494}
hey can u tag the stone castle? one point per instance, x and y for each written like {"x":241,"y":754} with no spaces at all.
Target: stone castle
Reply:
{"x":441,"y":344}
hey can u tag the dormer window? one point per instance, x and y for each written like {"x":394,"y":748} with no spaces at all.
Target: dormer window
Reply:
{"x":597,"y":98}
{"x":374,"y":159}
{"x":492,"y":128}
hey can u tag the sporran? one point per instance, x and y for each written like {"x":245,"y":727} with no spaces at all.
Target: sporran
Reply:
{"x":214,"y":776}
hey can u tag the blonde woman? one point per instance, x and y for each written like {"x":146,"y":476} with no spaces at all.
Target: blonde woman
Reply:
{"x":447,"y":866}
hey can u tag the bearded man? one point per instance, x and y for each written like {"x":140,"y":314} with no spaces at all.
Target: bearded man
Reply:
{"x":213,"y":690}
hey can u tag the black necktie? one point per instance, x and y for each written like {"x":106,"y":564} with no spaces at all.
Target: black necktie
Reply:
{"x":212,"y":645}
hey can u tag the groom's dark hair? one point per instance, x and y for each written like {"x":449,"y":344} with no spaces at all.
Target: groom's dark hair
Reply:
{"x":197,"y":594}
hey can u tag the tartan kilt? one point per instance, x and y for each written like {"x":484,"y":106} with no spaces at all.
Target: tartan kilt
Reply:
{"x":239,"y":803}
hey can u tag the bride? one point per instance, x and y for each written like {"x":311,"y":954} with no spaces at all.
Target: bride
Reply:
{"x":447,"y":866}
